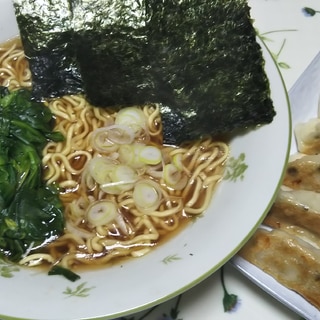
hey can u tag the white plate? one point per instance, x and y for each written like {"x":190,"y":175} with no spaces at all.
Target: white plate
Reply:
{"x":199,"y":250}
{"x":304,"y":97}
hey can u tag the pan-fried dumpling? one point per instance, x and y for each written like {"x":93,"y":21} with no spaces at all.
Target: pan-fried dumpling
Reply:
{"x":304,"y":173}
{"x":308,"y":136}
{"x":296,"y":207}
{"x":287,"y":258}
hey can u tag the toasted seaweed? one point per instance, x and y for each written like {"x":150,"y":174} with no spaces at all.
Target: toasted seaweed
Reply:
{"x":46,"y":30}
{"x":112,"y":51}
{"x":209,"y":55}
{"x":199,"y":59}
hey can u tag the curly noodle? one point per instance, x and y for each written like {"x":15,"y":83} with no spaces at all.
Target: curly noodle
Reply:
{"x":134,"y":233}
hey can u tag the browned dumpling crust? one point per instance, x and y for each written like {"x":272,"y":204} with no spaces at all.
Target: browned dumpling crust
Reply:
{"x":290,"y":252}
{"x":299,"y":208}
{"x":304,"y":173}
{"x":292,"y":261}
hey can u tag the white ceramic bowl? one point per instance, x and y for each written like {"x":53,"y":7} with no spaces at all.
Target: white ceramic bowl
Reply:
{"x":188,"y":258}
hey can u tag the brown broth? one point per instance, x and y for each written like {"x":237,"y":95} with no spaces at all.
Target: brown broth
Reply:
{"x":67,"y":196}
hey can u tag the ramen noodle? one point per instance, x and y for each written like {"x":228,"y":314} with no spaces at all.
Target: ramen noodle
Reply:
{"x":123,"y":190}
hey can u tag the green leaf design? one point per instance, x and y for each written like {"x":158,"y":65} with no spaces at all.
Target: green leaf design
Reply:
{"x":80,"y":291}
{"x":7,"y":269}
{"x":171,"y":258}
{"x":310,"y":12}
{"x":174,"y":312}
{"x":230,"y":300}
{"x":283,"y":65}
{"x":276,"y":55}
{"x":235,"y":168}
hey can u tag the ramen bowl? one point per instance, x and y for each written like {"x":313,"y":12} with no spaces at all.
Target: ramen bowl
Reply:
{"x":252,"y":177}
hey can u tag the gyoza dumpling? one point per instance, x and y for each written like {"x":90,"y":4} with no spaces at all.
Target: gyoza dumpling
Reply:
{"x":304,"y":173}
{"x":308,"y":136}
{"x":296,"y":208}
{"x":287,"y":258}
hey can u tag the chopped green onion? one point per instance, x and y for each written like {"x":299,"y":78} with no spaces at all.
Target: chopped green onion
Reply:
{"x":177,"y":161}
{"x":61,"y":271}
{"x":123,"y":173}
{"x":102,"y":212}
{"x":147,"y":196}
{"x":150,"y":155}
{"x":122,"y":178}
{"x":171,"y":174}
{"x":132,"y":117}
{"x":108,"y":139}
{"x":101,"y":143}
{"x":126,"y":153}
{"x":100,"y":169}
{"x":120,"y":134}
{"x":174,"y":177}
{"x":130,"y":154}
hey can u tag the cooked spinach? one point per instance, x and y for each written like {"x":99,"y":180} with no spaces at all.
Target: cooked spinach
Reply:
{"x":31,"y":213}
{"x":198,"y":59}
{"x":32,"y":220}
{"x":57,"y":270}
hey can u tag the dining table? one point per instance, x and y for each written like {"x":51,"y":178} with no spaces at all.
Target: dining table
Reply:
{"x":290,"y":30}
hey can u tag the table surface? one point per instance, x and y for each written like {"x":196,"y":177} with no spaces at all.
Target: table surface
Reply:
{"x":290,"y":29}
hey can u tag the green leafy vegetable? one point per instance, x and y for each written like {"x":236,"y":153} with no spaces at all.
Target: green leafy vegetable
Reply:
{"x":30,"y":211}
{"x":198,"y":59}
{"x":61,"y":271}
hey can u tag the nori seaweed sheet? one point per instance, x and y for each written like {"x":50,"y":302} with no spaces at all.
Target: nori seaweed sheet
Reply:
{"x":208,"y":53}
{"x":112,"y":51}
{"x":198,"y":59}
{"x":46,"y":31}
